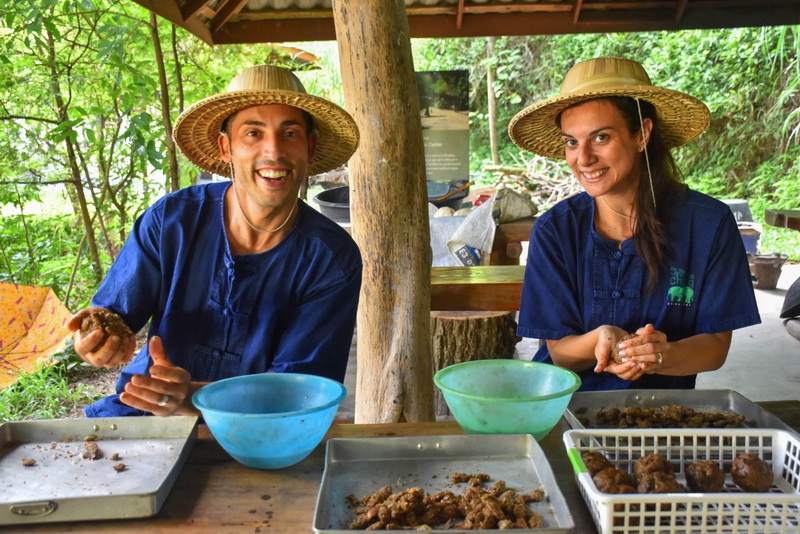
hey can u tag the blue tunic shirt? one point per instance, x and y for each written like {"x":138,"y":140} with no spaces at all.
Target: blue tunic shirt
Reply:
{"x":289,"y":309}
{"x":575,"y":280}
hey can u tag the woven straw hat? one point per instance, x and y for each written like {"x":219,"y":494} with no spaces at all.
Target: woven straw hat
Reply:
{"x":197,"y":129}
{"x":682,"y":117}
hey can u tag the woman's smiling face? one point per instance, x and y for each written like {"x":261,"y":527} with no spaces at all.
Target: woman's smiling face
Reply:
{"x":604,"y":155}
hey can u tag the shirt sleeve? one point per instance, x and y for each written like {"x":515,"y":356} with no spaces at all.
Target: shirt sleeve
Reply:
{"x":728,"y":301}
{"x":550,"y":303}
{"x":133,"y":282}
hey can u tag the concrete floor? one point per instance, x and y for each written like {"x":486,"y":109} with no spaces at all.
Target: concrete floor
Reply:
{"x":763,"y":363}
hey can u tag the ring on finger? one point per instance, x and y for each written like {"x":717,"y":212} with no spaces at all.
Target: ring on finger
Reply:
{"x":660,"y":358}
{"x":164,"y":400}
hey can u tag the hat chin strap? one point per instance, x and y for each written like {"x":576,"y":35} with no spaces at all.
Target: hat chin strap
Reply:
{"x":646,"y":155}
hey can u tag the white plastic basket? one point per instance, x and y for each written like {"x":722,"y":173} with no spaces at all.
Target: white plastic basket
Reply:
{"x":731,"y":512}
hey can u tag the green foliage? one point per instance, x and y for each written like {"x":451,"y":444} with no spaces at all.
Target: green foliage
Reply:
{"x":748,"y":77}
{"x":43,"y":394}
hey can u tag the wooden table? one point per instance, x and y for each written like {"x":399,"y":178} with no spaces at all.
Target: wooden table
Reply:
{"x":215,"y":494}
{"x":481,"y":288}
{"x":783,"y":218}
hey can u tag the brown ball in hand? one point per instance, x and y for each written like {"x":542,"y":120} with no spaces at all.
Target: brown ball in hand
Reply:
{"x":751,"y":473}
{"x":615,"y":357}
{"x":110,"y":323}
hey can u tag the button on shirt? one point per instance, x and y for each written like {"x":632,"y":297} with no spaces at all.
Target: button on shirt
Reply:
{"x":576,"y":280}
{"x":289,"y":309}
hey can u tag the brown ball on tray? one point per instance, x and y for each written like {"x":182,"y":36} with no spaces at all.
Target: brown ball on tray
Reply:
{"x":614,"y":480}
{"x":652,"y":463}
{"x":751,"y":473}
{"x":705,"y":476}
{"x":595,"y":462}
{"x":615,"y":357}
{"x":110,"y":323}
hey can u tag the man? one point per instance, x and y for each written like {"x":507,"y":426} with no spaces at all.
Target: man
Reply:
{"x":235,"y":277}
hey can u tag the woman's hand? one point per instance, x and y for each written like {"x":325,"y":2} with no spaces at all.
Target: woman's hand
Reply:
{"x":166,"y":391}
{"x":111,"y":353}
{"x":647,"y":350}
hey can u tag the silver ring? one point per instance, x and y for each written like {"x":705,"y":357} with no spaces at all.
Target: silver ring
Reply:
{"x":164,"y":400}
{"x":660,"y":358}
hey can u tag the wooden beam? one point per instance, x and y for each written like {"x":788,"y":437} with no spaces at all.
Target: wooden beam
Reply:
{"x":225,"y":13}
{"x":394,"y":379}
{"x":680,"y":10}
{"x":577,"y":15}
{"x":191,"y":8}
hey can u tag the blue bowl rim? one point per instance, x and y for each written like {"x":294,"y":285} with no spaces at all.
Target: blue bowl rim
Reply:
{"x":339,"y":398}
{"x":437,"y":379}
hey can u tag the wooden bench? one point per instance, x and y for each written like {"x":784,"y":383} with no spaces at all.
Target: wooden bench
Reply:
{"x":483,"y":288}
{"x":783,"y":218}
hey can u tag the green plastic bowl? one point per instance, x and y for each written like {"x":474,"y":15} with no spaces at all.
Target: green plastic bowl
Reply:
{"x":507,"y":396}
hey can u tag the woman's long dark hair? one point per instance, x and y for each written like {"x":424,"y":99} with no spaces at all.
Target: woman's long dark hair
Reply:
{"x":650,"y":233}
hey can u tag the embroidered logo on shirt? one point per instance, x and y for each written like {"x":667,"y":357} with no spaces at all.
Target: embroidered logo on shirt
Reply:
{"x":681,"y":289}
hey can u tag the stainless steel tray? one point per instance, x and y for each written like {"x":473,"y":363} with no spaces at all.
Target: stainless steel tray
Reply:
{"x":63,"y":485}
{"x":360,"y":466}
{"x":585,"y":404}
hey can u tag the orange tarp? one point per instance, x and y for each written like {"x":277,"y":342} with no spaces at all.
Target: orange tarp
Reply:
{"x":33,"y":327}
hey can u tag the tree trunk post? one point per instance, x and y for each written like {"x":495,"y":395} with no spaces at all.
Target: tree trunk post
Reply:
{"x":388,"y":210}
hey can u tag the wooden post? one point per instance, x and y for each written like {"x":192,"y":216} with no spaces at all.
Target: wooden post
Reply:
{"x":388,"y":210}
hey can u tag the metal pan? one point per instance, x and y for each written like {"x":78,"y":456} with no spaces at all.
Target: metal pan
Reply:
{"x":582,"y":409}
{"x":140,"y":458}
{"x":360,"y":466}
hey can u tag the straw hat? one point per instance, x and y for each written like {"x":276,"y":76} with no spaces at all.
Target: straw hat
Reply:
{"x":682,"y":117}
{"x":197,"y":129}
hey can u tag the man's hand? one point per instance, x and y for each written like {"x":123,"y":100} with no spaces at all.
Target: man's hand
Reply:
{"x":111,"y":353}
{"x":166,"y":391}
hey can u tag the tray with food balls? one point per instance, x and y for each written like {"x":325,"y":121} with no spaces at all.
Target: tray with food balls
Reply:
{"x":688,"y":480}
{"x":668,"y":408}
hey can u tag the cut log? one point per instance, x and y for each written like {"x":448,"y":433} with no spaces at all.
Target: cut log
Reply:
{"x":463,"y":336}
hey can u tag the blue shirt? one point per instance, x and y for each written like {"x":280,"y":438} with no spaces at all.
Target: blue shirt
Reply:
{"x":575,"y":280}
{"x":289,"y":309}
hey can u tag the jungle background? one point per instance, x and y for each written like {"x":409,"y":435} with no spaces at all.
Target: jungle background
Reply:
{"x":89,"y":90}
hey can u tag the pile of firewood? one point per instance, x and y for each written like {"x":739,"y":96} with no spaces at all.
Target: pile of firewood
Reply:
{"x":544,"y":180}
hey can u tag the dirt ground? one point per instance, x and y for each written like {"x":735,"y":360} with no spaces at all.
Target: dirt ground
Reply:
{"x":101,"y":381}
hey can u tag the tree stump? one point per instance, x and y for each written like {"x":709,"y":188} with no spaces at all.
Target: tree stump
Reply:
{"x":463,"y":336}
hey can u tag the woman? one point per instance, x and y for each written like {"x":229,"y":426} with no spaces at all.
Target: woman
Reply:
{"x":637,"y":252}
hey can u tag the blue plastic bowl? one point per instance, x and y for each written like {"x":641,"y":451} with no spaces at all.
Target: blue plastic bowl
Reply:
{"x":271,"y":420}
{"x":507,"y":396}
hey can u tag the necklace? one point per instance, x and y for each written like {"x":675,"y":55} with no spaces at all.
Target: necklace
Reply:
{"x":260,"y":230}
{"x":612,"y":209}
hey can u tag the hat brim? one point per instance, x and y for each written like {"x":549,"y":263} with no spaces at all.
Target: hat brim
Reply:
{"x":197,"y":129}
{"x":682,"y":117}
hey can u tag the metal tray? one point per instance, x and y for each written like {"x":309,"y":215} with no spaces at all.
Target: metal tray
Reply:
{"x":706,"y":400}
{"x":360,"y":466}
{"x":62,"y":485}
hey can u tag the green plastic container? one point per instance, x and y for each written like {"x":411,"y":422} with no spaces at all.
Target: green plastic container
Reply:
{"x":507,"y":396}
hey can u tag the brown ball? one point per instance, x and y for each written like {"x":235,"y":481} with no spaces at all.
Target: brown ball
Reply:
{"x":110,"y":323}
{"x":614,"y":480}
{"x":615,"y":357}
{"x":652,"y":463}
{"x":595,"y":462}
{"x":751,"y":473}
{"x":659,"y":482}
{"x":705,"y":476}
